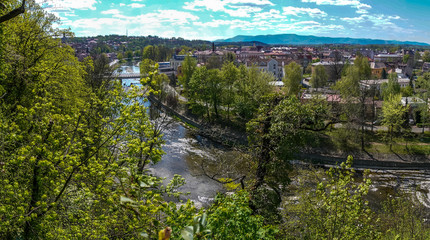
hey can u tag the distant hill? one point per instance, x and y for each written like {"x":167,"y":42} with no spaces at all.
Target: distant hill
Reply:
{"x":256,"y":43}
{"x":293,"y":39}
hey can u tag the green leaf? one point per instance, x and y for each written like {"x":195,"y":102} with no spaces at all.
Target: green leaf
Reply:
{"x":203,"y":220}
{"x":187,"y":233}
{"x":126,"y":199}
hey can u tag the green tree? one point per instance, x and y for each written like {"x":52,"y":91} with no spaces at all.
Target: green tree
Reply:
{"x":151,"y":78}
{"x":349,"y":85}
{"x":150,"y":52}
{"x":230,"y":217}
{"x":12,"y":13}
{"x":251,"y":85}
{"x":392,"y":87}
{"x":363,"y":66}
{"x":278,"y":132}
{"x":319,"y":77}
{"x":423,"y":83}
{"x":333,"y":207}
{"x":308,"y":69}
{"x":214,"y":62}
{"x":129,"y":55}
{"x":417,"y":57}
{"x":120,"y":57}
{"x":198,"y":91}
{"x":230,"y":74}
{"x":74,"y":145}
{"x":407,"y":91}
{"x":406,"y":58}
{"x":229,"y":57}
{"x":292,"y":79}
{"x":403,"y":217}
{"x":215,"y":89}
{"x":384,"y":74}
{"x":426,"y":56}
{"x":188,"y":67}
{"x":393,"y":113}
{"x":353,"y":111}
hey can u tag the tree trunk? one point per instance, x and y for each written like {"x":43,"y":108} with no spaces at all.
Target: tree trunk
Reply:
{"x":35,"y":189}
{"x":391,"y":138}
{"x":263,"y":159}
{"x":13,"y":13}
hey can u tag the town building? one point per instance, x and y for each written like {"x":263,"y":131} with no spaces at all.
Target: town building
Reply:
{"x":378,"y":68}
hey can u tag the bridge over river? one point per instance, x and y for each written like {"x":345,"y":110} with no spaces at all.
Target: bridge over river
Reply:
{"x":126,"y":75}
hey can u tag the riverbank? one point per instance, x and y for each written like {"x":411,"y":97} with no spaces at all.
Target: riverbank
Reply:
{"x":369,"y":161}
{"x":223,"y":135}
{"x":229,"y":137}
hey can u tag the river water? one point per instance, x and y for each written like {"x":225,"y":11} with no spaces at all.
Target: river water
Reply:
{"x":183,"y":150}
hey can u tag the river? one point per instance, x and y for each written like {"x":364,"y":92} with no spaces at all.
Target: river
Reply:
{"x":183,"y":150}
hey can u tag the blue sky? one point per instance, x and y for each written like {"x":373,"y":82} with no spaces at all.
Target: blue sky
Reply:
{"x":406,"y":20}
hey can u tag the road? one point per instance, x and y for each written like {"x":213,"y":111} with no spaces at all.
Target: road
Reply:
{"x":414,"y":129}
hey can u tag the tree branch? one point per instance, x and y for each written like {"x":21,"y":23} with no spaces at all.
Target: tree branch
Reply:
{"x":12,"y":13}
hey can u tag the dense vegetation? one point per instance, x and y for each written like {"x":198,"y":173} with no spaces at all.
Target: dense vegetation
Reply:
{"x":74,"y":147}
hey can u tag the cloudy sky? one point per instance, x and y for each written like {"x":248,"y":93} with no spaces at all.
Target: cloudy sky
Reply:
{"x":216,"y":19}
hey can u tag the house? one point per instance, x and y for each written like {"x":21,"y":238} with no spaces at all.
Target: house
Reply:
{"x":413,"y":102}
{"x":378,"y":68}
{"x":164,"y":67}
{"x":268,"y":65}
{"x":248,"y":55}
{"x":393,"y":58}
{"x":367,"y":84}
{"x":426,"y":67}
{"x":204,"y":56}
{"x":332,"y":69}
{"x":177,"y":60}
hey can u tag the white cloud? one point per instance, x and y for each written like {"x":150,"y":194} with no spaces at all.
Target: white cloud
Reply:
{"x":272,"y":15}
{"x":378,"y":22}
{"x":111,"y":11}
{"x":235,"y":8}
{"x":362,"y":11}
{"x":312,"y":12}
{"x":242,"y":11}
{"x":164,"y":23}
{"x":136,"y":5}
{"x":216,"y":23}
{"x":55,"y":5}
{"x":309,"y":27}
{"x":121,"y":4}
{"x":353,"y":3}
{"x":219,"y":5}
{"x":379,"y":19}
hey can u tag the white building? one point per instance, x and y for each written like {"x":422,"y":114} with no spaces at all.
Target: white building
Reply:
{"x":269,"y":65}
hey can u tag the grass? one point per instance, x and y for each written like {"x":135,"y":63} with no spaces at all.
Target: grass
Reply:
{"x":399,"y":149}
{"x":343,"y":140}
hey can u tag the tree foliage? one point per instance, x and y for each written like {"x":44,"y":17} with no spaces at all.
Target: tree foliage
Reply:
{"x":188,"y":67}
{"x":393,"y":113}
{"x":74,"y":145}
{"x":292,"y":79}
{"x":280,"y":130}
{"x":319,"y":77}
{"x":426,"y":56}
{"x":333,"y":208}
{"x":392,"y":87}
